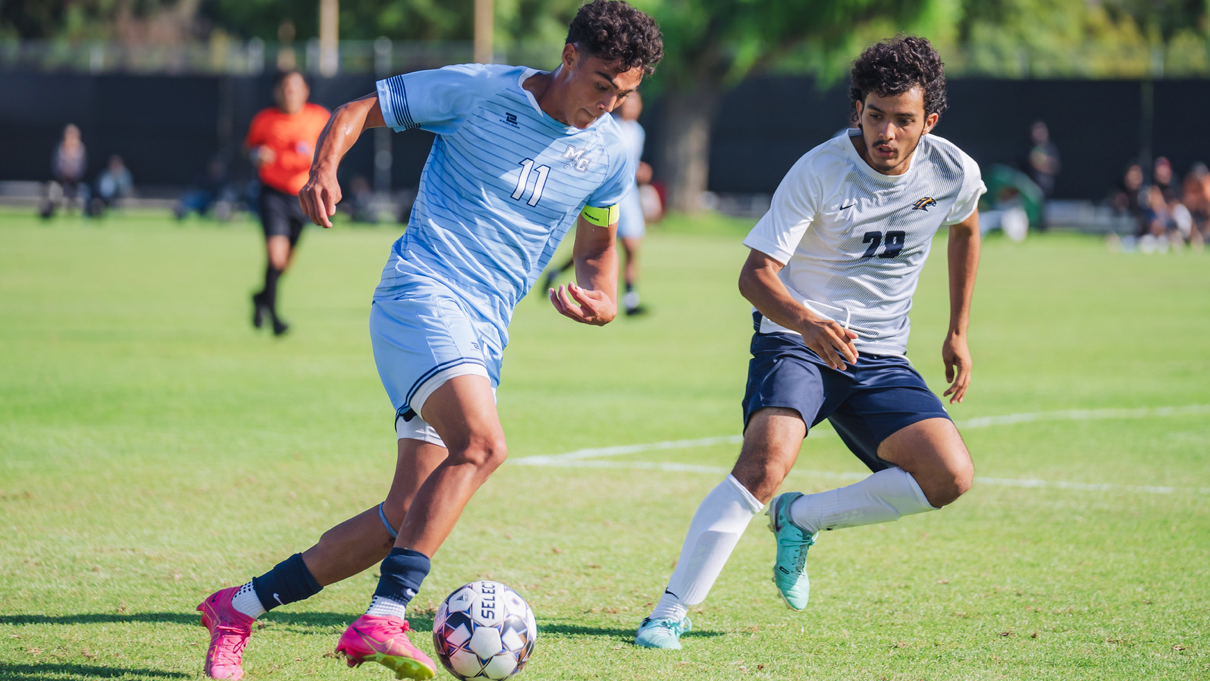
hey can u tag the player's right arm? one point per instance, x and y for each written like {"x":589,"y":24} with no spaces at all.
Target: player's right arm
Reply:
{"x":321,"y":193}
{"x":759,"y":283}
{"x":436,"y":100}
{"x":773,"y":241}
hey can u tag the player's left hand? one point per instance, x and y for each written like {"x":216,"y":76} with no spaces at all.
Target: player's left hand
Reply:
{"x":583,"y":305}
{"x":957,"y":358}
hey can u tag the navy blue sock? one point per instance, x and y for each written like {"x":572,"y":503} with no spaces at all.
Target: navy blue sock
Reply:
{"x":287,"y":582}
{"x":402,"y":573}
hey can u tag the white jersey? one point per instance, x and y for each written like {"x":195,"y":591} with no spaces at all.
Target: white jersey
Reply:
{"x":853,"y":241}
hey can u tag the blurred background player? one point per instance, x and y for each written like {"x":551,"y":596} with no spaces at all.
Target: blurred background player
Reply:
{"x":632,"y":225}
{"x":520,"y":158}
{"x":831,"y":273}
{"x":281,"y":142}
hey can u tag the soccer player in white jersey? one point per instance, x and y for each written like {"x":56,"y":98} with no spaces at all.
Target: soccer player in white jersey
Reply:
{"x":520,"y":157}
{"x":831,"y":273}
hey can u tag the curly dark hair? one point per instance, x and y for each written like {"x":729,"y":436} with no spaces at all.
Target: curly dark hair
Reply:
{"x":617,"y":33}
{"x":895,"y":66}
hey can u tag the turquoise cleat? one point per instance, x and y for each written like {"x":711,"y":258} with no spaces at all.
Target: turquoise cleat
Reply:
{"x":790,"y":569}
{"x":663,"y":633}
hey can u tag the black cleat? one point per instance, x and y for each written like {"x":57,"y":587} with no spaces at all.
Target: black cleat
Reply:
{"x":279,"y":327}
{"x":258,"y":310}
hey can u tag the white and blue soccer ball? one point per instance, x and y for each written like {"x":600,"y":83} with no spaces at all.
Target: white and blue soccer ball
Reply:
{"x":484,"y":630}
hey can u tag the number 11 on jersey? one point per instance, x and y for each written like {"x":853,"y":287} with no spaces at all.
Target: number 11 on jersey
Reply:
{"x":526,"y":166}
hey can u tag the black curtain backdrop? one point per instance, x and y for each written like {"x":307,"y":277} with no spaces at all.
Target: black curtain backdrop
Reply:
{"x":168,"y":127}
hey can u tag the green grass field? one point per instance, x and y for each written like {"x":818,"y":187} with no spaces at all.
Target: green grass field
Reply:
{"x":153,"y":448}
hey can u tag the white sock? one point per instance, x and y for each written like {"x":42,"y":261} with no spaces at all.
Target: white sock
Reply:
{"x":385,"y":607}
{"x":883,"y":497}
{"x":246,"y":601}
{"x":717,"y":526}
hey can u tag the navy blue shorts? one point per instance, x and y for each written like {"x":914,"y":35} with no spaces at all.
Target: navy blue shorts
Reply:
{"x":866,"y":403}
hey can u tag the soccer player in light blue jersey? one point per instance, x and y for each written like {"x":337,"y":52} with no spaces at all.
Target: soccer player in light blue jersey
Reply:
{"x":521,"y":157}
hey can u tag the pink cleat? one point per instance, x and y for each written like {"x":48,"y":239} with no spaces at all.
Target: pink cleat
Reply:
{"x":384,"y":640}
{"x":229,"y":632}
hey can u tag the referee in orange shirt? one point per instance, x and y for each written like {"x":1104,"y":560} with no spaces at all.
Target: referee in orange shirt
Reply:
{"x":281,"y":142}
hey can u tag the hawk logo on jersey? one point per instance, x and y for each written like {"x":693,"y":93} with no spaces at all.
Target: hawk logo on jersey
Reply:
{"x":576,"y":158}
{"x":924,"y":204}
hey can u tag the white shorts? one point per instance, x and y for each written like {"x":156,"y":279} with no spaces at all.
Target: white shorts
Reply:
{"x":419,"y":429}
{"x":631,"y":224}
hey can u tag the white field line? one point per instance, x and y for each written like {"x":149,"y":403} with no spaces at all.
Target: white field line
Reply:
{"x":590,"y":458}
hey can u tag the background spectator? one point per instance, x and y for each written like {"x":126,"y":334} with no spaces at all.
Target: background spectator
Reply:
{"x":114,"y":183}
{"x":1164,"y":179}
{"x":1195,"y":194}
{"x":1127,"y":198}
{"x":212,"y":190}
{"x":358,"y":202}
{"x":1042,"y":164}
{"x":1168,"y":221}
{"x":67,"y":166}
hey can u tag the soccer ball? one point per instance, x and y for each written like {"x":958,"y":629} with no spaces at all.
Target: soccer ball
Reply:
{"x":484,"y":630}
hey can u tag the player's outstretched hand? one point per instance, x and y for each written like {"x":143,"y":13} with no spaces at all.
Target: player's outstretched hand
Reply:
{"x":583,"y":305}
{"x":957,"y":358}
{"x":319,"y":197}
{"x":832,"y":342}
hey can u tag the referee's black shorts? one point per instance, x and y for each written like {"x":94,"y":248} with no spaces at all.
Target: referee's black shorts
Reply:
{"x":280,"y":214}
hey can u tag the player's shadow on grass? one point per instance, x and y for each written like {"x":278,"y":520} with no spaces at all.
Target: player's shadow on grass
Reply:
{"x":105,"y":618}
{"x":564,"y":629}
{"x":420,"y":621}
{"x":58,"y":671}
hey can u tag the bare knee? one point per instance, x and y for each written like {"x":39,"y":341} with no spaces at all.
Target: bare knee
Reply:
{"x":771,"y":443}
{"x":483,"y":452}
{"x":943,"y":487}
{"x":761,"y":471}
{"x":761,"y":479}
{"x":277,"y":248}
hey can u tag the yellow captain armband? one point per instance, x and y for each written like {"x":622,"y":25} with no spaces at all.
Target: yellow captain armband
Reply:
{"x":601,"y":217}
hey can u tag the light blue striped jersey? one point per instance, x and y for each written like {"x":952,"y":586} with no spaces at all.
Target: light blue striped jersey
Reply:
{"x":502,"y":186}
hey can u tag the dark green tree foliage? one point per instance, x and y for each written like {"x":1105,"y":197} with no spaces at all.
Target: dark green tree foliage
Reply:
{"x":359,"y":19}
{"x":76,"y":19}
{"x":713,"y":44}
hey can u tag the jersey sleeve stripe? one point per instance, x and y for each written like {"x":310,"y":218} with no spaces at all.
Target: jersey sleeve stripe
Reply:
{"x":394,"y":93}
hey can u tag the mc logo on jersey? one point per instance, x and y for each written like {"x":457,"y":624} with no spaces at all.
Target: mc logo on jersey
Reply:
{"x":924,"y":204}
{"x":576,"y":158}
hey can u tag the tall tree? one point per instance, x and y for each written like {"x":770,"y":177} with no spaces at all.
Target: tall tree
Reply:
{"x":712,"y":45}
